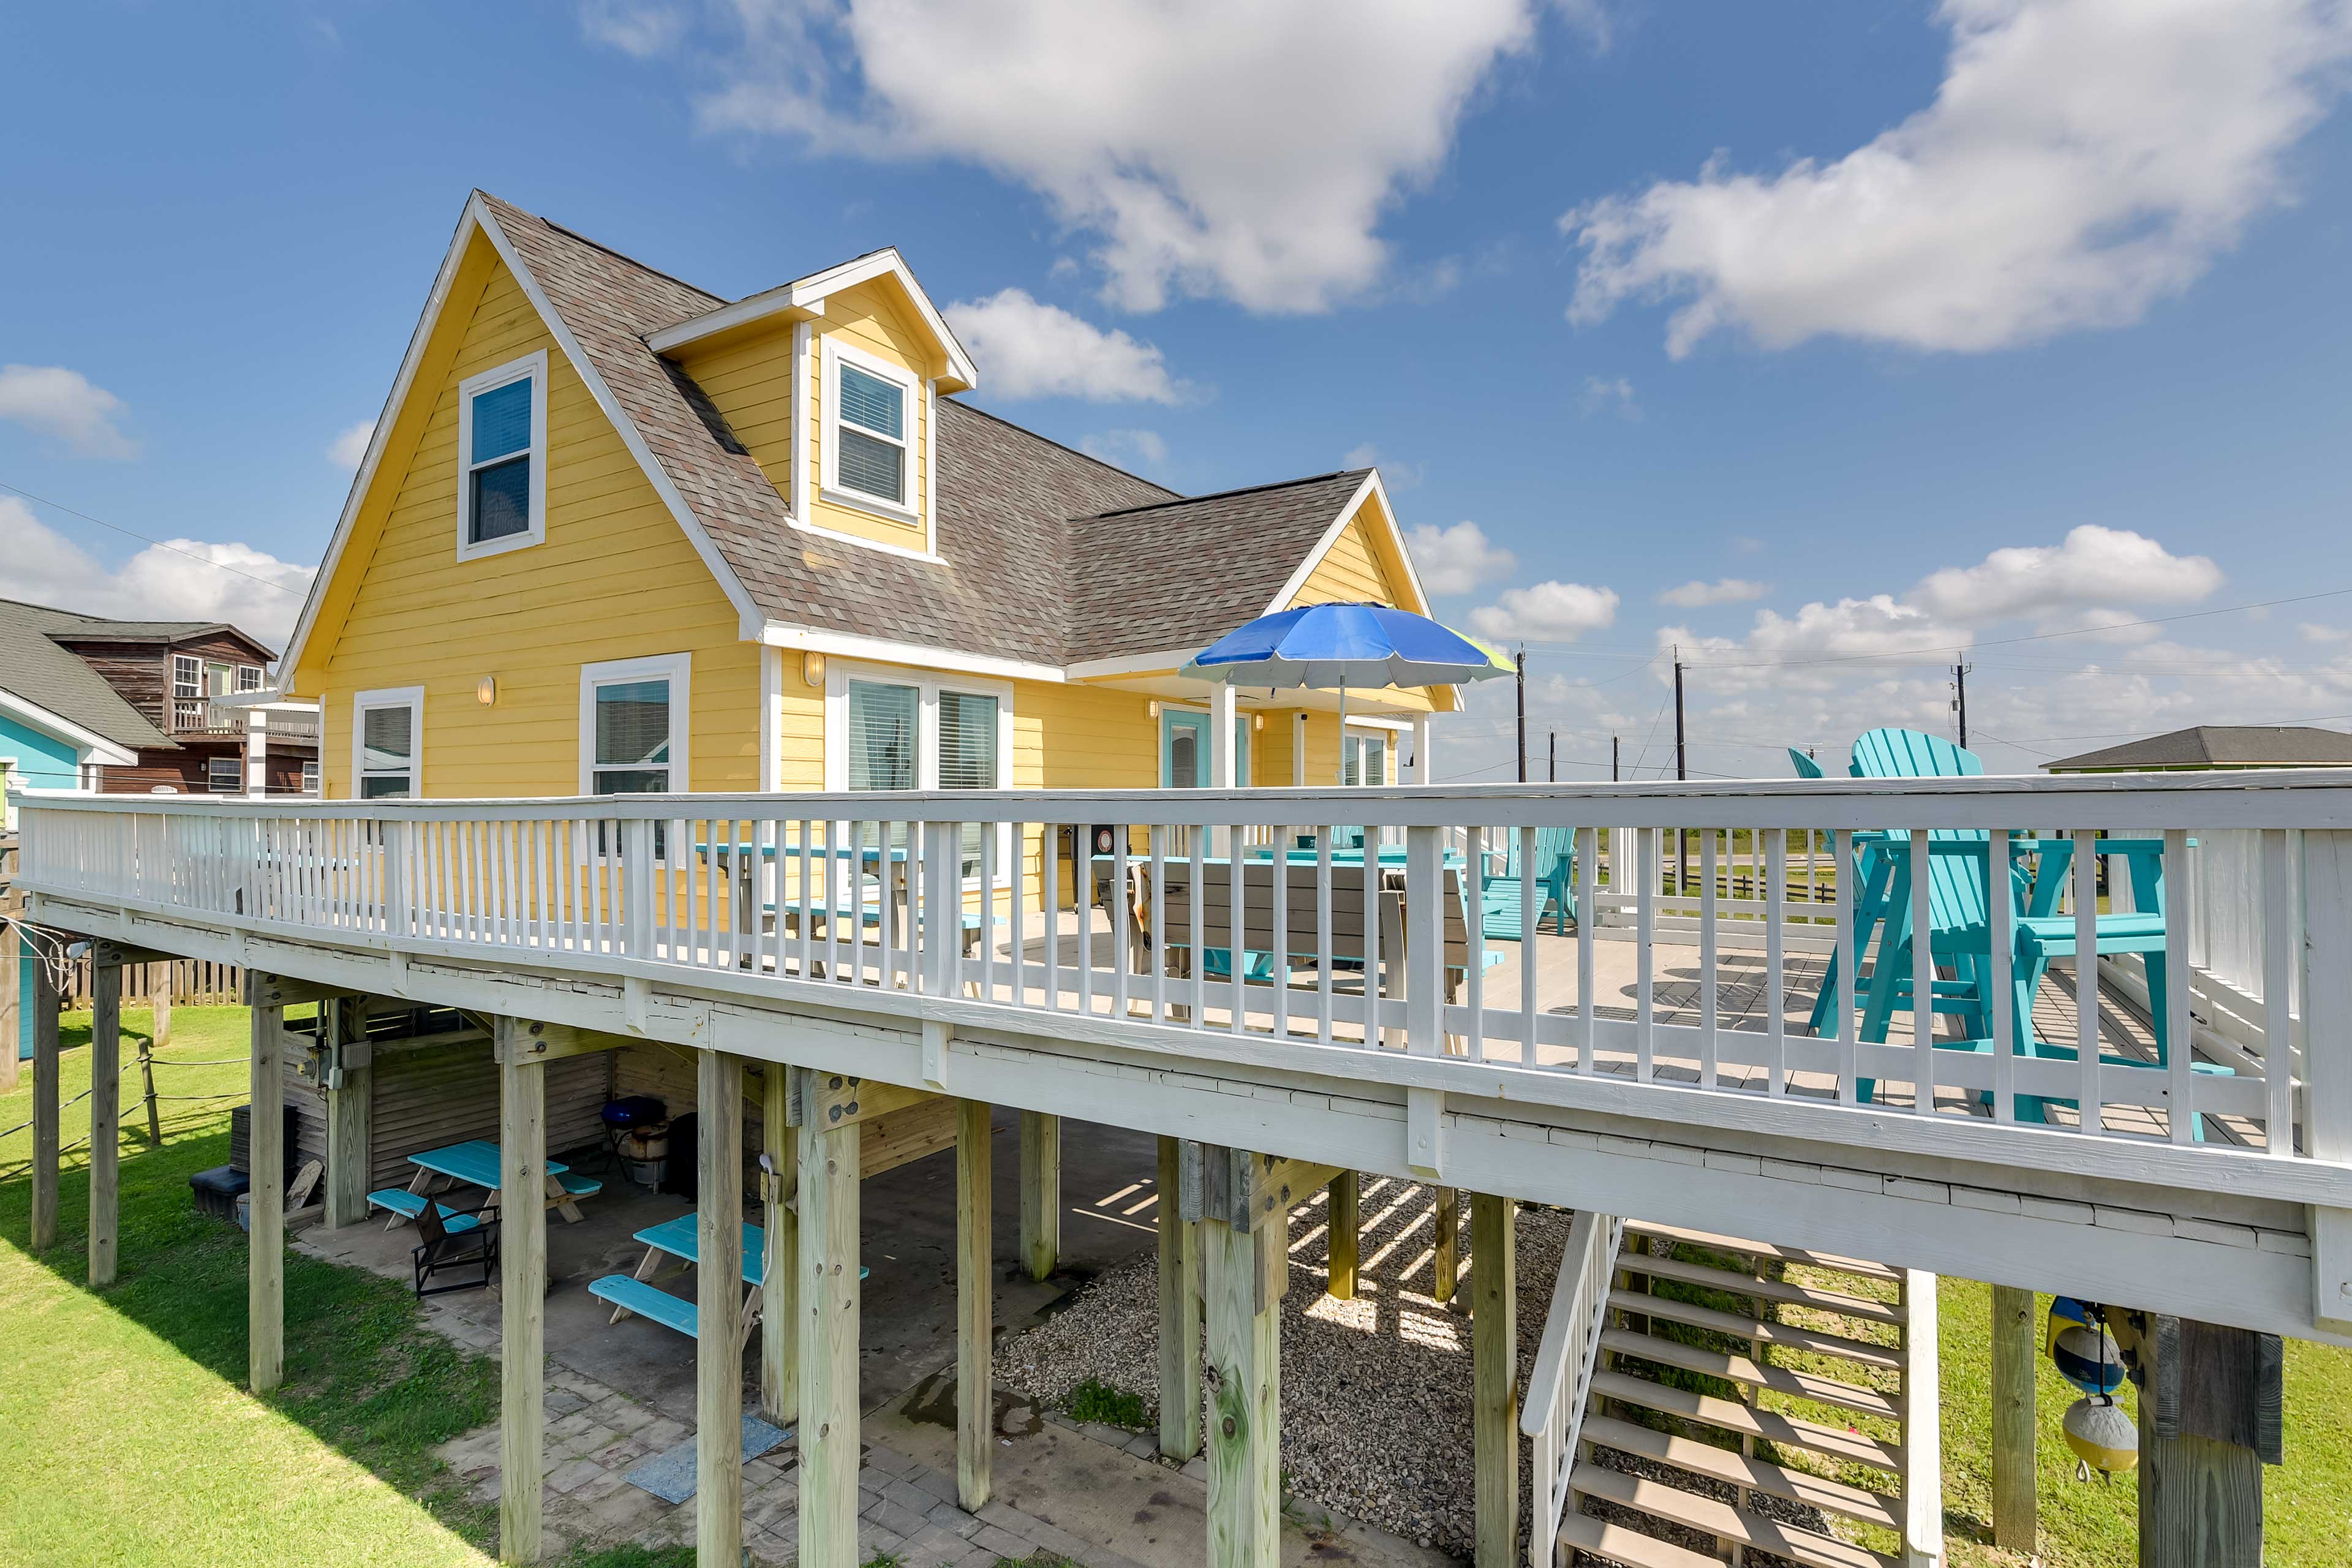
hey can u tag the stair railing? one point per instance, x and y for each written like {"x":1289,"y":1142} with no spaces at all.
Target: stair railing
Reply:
{"x":1562,"y":1376}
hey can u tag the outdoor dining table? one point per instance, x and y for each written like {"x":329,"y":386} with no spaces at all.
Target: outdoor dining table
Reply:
{"x":742,"y":863}
{"x":476,"y":1162}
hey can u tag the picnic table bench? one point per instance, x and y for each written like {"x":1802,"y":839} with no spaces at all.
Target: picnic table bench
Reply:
{"x":679,"y":1239}
{"x":476,"y":1163}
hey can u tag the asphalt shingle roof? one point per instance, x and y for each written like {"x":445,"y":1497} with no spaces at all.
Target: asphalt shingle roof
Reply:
{"x":1049,"y":556}
{"x":2222,"y":746}
{"x":37,"y":670}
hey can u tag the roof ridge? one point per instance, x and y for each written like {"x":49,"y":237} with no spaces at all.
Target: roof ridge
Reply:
{"x":1075,"y":452}
{"x":1222,"y":495}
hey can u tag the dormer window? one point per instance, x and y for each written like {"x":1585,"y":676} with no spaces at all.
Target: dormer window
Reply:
{"x":869,"y":434}
{"x":502,"y":458}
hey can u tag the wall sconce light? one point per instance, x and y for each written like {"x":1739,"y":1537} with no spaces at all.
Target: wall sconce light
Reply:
{"x":1154,"y":706}
{"x":485,"y":690}
{"x":812,"y":668}
{"x":1257,"y":721}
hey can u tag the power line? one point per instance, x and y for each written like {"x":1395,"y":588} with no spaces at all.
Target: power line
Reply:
{"x":158,"y":543}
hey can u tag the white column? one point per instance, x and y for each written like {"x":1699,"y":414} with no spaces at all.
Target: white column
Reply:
{"x":1220,"y":756}
{"x":1421,"y":769}
{"x":256,"y":752}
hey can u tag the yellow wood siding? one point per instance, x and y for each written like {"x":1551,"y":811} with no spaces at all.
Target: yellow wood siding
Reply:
{"x":616,"y":578}
{"x":749,"y":379}
{"x":869,"y":318}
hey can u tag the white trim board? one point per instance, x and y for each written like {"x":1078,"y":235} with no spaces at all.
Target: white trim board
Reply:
{"x":805,"y":297}
{"x":677,"y":669}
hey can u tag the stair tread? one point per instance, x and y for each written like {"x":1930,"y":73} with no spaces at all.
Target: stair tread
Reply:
{"x":1621,"y":1543}
{"x":1742,"y":1369}
{"x":1722,"y":1520}
{"x":1731,"y":1466}
{"x":1738,"y":1327}
{"x":1781,"y":1290}
{"x":1730,"y":1416}
{"x":1862,"y":1266}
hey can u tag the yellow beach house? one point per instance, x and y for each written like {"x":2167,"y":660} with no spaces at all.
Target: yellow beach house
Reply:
{"x":614,"y":534}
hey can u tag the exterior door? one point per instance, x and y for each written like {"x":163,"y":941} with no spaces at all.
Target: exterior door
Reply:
{"x":1185,"y":749}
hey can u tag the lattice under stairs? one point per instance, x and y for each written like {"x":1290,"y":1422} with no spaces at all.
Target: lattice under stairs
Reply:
{"x":1748,"y":1405}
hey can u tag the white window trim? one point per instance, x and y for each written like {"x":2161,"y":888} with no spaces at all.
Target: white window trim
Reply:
{"x":1385,"y":734}
{"x":238,"y":763}
{"x":904,"y":510}
{"x":244,"y":670}
{"x":928,"y":685}
{"x":535,"y":367}
{"x":178,"y":661}
{"x":409,"y":696}
{"x":678,"y":669}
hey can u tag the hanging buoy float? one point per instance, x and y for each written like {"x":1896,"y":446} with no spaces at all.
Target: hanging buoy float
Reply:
{"x":2087,"y":1356}
{"x":2103,"y":1436}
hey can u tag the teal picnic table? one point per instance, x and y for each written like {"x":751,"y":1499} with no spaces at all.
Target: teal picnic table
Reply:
{"x":681,"y":1239}
{"x":476,"y":1162}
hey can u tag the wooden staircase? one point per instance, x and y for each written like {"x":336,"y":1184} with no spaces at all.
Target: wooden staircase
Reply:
{"x":1753,"y":1405}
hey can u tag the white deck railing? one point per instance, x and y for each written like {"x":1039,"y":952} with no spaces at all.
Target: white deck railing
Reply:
{"x":1561,"y":1379}
{"x":814,"y":895}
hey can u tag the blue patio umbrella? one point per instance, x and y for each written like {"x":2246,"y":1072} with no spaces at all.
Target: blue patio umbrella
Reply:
{"x":1326,"y":645}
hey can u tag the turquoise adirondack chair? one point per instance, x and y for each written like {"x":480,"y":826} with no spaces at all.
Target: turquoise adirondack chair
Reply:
{"x":1502,"y":897}
{"x":1806,"y":767}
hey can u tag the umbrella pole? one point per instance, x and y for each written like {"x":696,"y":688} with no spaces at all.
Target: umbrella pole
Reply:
{"x":1343,"y":735}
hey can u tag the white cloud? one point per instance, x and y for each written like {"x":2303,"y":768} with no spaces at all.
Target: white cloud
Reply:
{"x":2313,"y":632}
{"x":2083,"y":160}
{"x":1604,"y":394}
{"x":1126,"y":448}
{"x":2094,"y":566}
{"x":160,"y":582}
{"x":63,"y":405}
{"x":1219,"y":148}
{"x":638,"y":30}
{"x":1697,"y":594}
{"x":1548,"y":612}
{"x":1394,"y":475}
{"x":1455,"y":560}
{"x":346,"y":450}
{"x":1026,"y":348}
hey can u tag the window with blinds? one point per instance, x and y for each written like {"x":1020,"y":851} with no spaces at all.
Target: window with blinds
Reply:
{"x":501,"y":457}
{"x":870,"y":434}
{"x":1364,"y":759}
{"x":387,"y":752}
{"x":885,"y":724}
{"x":968,"y":757}
{"x":633,"y":740}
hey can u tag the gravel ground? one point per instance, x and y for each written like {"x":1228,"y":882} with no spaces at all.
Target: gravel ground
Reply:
{"x":1375,"y":1392}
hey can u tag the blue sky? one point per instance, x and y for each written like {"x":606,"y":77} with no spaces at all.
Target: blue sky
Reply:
{"x":1904,"y":327}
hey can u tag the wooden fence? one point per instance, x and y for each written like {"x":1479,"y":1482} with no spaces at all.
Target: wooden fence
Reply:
{"x":193,"y":981}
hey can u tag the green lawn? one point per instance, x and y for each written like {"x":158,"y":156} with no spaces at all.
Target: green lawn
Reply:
{"x":132,"y":1439}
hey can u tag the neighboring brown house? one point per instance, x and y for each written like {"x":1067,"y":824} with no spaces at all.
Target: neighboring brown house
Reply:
{"x":155,"y":699}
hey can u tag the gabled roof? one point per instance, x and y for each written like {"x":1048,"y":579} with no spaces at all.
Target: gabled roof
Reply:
{"x":2221,"y":746}
{"x":1040,"y":554}
{"x":37,"y":670}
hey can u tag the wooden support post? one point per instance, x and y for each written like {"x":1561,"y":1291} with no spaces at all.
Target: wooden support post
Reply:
{"x":1180,"y":1313}
{"x":1447,"y":1264}
{"x":265,"y":1203}
{"x":2210,"y":1413}
{"x":105,"y":1122}
{"x":1494,"y":1353}
{"x":523,"y":1296}
{"x":2015,"y":1351}
{"x":1244,"y":1437}
{"x":349,"y":1112}
{"x":780,"y":1293}
{"x":975,"y":1302}
{"x":828,"y":1345}
{"x":1342,"y":1233}
{"x":162,"y":1033}
{"x":1041,"y":1193}
{"x":719,"y":1310}
{"x":45,"y":1105}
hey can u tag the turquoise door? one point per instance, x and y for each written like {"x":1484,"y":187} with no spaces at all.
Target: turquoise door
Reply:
{"x":1185,"y":749}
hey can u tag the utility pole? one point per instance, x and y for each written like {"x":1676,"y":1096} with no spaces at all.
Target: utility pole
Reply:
{"x":1682,"y":835}
{"x":1551,"y":774}
{"x":1519,"y":678}
{"x":1961,"y":699}
{"x":1613,"y":758}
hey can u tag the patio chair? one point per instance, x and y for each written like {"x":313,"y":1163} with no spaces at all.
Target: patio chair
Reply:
{"x":1806,"y":767}
{"x":1502,"y":895}
{"x":451,"y":1247}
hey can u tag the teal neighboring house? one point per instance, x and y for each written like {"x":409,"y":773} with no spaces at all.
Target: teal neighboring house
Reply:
{"x":59,"y":723}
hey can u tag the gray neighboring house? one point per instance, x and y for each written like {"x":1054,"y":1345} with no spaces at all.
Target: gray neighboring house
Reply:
{"x":2214,"y":746}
